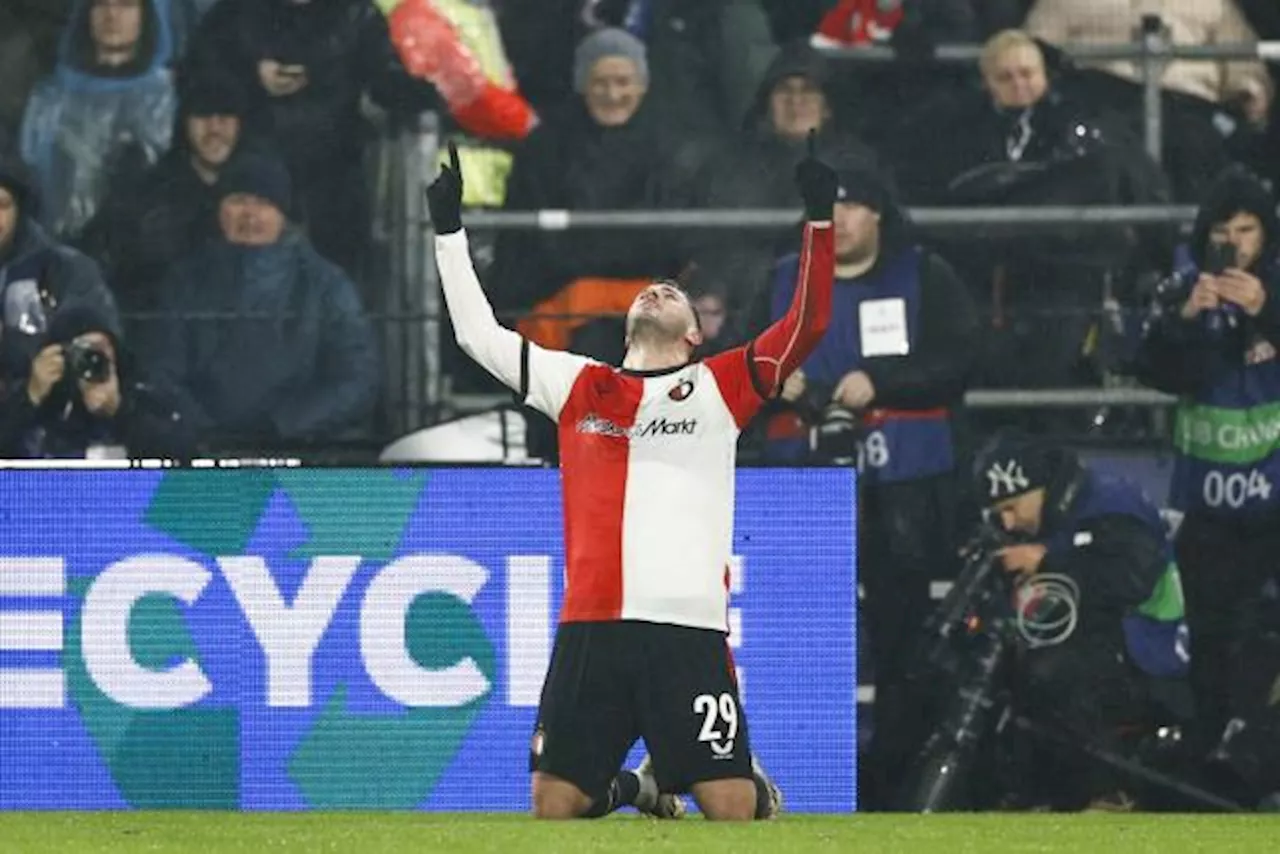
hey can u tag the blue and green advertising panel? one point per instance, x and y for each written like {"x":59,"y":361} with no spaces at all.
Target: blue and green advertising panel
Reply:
{"x":294,"y":639}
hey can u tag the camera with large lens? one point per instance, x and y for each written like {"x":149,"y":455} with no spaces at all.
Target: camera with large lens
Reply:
{"x":87,"y":363}
{"x":963,"y":654}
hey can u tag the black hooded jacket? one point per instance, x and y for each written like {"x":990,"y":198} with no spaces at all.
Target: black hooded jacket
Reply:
{"x":39,"y":277}
{"x":1180,"y":356}
{"x":1117,"y":565}
{"x":570,"y":162}
{"x":148,"y":422}
{"x":146,"y":226}
{"x":940,"y":365}
{"x":346,"y":50}
{"x":758,"y":171}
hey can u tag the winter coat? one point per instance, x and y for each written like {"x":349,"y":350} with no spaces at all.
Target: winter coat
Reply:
{"x":38,"y":276}
{"x":85,"y":127}
{"x":346,"y":51}
{"x":266,"y":342}
{"x":571,"y":163}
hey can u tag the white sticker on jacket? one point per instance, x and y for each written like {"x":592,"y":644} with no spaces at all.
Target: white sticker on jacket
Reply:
{"x":884,"y":327}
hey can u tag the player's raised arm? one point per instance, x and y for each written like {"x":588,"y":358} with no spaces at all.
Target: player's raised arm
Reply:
{"x":779,"y":350}
{"x":543,"y":378}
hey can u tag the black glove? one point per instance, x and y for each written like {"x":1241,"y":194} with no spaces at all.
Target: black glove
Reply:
{"x":444,"y":196}
{"x":818,"y":184}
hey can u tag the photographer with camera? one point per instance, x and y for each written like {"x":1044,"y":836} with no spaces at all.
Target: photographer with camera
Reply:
{"x":1099,"y":602}
{"x":882,"y":389}
{"x":84,"y":397}
{"x":1212,"y":340}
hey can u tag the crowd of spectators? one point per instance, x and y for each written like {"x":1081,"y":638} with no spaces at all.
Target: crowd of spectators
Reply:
{"x":199,"y":166}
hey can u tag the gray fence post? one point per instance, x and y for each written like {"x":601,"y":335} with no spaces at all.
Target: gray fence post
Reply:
{"x":1154,"y":48}
{"x":429,"y":298}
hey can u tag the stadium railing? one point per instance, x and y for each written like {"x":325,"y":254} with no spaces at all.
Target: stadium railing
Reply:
{"x":1151,"y":52}
{"x":421,"y":390}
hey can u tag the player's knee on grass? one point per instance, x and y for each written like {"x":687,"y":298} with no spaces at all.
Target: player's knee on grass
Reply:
{"x":554,"y":798}
{"x":726,"y":800}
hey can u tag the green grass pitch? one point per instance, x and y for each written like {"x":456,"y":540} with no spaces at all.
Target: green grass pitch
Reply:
{"x":383,"y":833}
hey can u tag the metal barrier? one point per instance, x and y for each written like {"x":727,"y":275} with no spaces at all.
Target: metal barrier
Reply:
{"x":1053,"y":398}
{"x":933,"y":219}
{"x":417,"y":367}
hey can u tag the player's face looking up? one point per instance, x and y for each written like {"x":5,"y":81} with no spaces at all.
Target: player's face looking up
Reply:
{"x":662,"y":314}
{"x":614,"y":91}
{"x":1022,"y":514}
{"x":857,"y":234}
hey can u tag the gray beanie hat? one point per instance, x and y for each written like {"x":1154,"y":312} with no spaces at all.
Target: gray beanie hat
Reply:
{"x":603,"y":43}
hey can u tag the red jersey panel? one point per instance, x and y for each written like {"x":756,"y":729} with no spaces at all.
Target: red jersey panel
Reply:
{"x":647,"y":461}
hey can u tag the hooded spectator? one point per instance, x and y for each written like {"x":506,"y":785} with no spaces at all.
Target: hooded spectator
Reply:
{"x":605,"y":150}
{"x":143,"y":229}
{"x":105,"y":113}
{"x":266,"y":338}
{"x":305,"y":66}
{"x":1213,"y":339}
{"x":758,"y":170}
{"x":38,"y":277}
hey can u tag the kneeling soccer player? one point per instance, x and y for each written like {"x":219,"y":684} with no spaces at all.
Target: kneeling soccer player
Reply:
{"x":647,"y":465}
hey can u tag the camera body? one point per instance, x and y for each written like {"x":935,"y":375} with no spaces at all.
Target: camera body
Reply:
{"x":834,"y":438}
{"x":86,"y":363}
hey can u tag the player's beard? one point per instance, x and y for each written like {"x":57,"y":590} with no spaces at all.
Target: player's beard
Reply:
{"x":651,"y":331}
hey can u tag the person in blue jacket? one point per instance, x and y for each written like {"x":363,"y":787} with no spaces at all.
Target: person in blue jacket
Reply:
{"x":882,"y":390}
{"x":1108,"y":540}
{"x":1212,"y":340}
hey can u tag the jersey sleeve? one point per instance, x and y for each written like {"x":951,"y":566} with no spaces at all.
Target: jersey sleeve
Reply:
{"x":739,"y":385}
{"x":542,"y":378}
{"x":750,"y":375}
{"x":547,"y":377}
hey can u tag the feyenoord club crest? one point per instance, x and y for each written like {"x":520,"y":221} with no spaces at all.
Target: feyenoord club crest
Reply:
{"x":681,"y":391}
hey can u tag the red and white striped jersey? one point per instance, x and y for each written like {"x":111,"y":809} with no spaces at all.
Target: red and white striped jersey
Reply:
{"x":647,"y":458}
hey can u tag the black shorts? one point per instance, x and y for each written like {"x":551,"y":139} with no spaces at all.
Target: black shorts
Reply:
{"x":611,"y":683}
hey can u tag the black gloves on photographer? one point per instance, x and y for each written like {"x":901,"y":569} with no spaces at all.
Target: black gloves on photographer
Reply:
{"x":818,"y":184}
{"x":444,"y":196}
